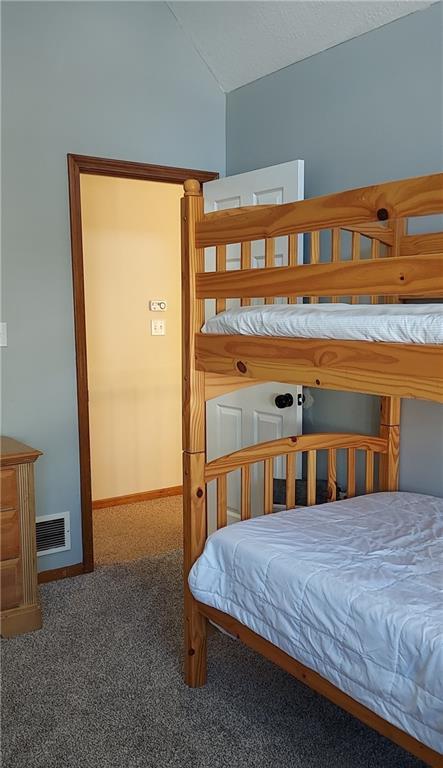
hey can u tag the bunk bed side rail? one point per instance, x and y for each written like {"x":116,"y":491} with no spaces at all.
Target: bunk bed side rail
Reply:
{"x":370,"y":367}
{"x":420,"y":196}
{"x":382,"y":277}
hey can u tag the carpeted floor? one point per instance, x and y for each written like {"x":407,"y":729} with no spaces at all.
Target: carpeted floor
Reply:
{"x":132,"y":531}
{"x":101,"y":687}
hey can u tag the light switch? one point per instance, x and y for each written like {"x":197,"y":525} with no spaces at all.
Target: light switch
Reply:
{"x":3,"y":335}
{"x":158,"y":327}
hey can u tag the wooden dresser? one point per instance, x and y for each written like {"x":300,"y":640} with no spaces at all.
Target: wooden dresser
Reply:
{"x":20,"y":611}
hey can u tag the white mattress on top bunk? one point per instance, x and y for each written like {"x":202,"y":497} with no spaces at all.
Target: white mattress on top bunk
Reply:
{"x":352,"y":589}
{"x":397,"y":323}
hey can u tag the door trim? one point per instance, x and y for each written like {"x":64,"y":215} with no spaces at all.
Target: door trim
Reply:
{"x":100,"y":166}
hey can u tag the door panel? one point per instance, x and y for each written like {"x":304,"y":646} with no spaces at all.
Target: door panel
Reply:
{"x":266,"y":426}
{"x":229,"y":429}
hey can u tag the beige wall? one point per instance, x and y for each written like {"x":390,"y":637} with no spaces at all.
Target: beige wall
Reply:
{"x":131,"y":232}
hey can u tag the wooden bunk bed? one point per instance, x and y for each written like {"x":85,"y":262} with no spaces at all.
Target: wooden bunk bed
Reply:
{"x":399,"y":265}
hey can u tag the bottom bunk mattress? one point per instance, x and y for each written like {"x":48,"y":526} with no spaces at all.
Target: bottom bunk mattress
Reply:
{"x":352,"y":589}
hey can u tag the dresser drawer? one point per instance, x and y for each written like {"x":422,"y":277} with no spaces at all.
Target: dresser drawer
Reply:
{"x":11,"y":592}
{"x":8,"y":489}
{"x":9,"y":534}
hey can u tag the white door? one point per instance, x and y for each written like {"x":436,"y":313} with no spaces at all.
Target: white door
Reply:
{"x":251,"y":415}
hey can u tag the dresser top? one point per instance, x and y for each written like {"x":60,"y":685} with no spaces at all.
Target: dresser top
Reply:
{"x":13,"y":452}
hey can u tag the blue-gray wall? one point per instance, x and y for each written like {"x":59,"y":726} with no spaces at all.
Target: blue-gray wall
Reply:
{"x":366,"y":111}
{"x":111,"y":79}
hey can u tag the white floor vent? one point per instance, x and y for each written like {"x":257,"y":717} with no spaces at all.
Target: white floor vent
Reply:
{"x":53,"y":533}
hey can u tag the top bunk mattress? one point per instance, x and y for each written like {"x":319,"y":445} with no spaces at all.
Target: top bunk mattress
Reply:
{"x":352,"y":589}
{"x":394,"y":323}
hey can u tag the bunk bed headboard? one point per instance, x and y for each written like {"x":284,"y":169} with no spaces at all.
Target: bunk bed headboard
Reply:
{"x":289,"y":447}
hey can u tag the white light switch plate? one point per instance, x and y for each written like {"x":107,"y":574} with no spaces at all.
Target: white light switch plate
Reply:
{"x":3,"y":335}
{"x":158,"y":327}
{"x":158,"y":305}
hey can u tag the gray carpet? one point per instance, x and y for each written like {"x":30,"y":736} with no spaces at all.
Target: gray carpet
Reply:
{"x":100,"y":686}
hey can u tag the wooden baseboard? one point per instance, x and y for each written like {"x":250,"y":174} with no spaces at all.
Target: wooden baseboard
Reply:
{"x":61,"y":573}
{"x":132,"y":498}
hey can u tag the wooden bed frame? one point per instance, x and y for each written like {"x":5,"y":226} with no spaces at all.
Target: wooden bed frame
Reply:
{"x":216,"y":364}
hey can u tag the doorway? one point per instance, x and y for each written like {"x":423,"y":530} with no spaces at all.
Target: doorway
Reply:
{"x":123,"y":406}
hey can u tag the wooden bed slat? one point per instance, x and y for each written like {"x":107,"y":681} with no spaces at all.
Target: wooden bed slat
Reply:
{"x":402,"y":275}
{"x":222,"y":501}
{"x":420,"y":196}
{"x":314,"y":258}
{"x":355,"y":256}
{"x":369,"y":471}
{"x":290,"y":481}
{"x":332,"y":474}
{"x":335,"y":252}
{"x":292,"y":259}
{"x":245,"y":263}
{"x":312,"y":478}
{"x":350,"y":491}
{"x":355,"y":246}
{"x":292,"y":250}
{"x":399,"y":229}
{"x":269,"y":261}
{"x":375,"y":254}
{"x":268,"y":486}
{"x":315,"y":248}
{"x":246,"y":492}
{"x":220,"y":262}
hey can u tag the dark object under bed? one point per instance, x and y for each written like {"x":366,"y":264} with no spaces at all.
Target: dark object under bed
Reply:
{"x":301,"y":492}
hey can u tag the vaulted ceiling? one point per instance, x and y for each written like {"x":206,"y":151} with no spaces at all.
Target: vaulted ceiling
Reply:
{"x":242,"y":41}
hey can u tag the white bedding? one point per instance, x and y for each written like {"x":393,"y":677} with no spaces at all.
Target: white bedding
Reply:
{"x":398,"y":323}
{"x":353,"y":589}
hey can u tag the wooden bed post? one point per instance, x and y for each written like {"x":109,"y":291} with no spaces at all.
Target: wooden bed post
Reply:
{"x":390,"y":406}
{"x":390,"y":431}
{"x":194,"y":434}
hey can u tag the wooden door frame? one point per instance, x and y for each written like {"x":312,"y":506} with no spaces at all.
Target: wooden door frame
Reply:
{"x":123,"y":169}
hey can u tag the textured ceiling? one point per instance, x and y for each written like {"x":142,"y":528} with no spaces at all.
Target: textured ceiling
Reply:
{"x":242,"y":41}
